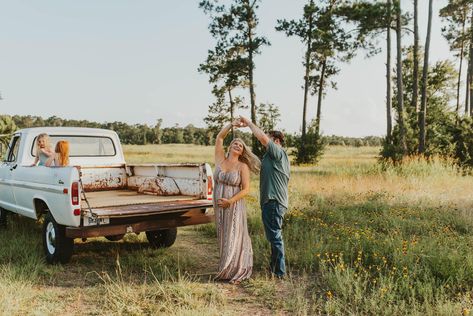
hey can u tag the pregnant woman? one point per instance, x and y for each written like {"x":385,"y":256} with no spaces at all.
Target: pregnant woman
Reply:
{"x":232,"y":183}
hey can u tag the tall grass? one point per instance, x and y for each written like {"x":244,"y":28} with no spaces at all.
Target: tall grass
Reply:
{"x":176,"y":295}
{"x":378,"y":239}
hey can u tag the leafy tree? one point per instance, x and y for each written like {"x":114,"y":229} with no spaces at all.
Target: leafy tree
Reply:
{"x":158,"y":132}
{"x":305,"y":29}
{"x":226,"y":66}
{"x":463,"y":142}
{"x":189,"y":134}
{"x":441,"y":82}
{"x":221,"y":112}
{"x":7,"y":127}
{"x":237,"y":24}
{"x":327,"y":42}
{"x":173,"y":135}
{"x":331,"y":44}
{"x":268,"y":116}
{"x":313,"y":148}
{"x":455,"y":13}
{"x":372,"y":19}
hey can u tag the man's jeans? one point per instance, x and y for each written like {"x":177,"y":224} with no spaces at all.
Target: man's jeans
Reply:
{"x":273,"y":214}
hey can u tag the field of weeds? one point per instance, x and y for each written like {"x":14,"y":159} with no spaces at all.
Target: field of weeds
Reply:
{"x":361,"y":238}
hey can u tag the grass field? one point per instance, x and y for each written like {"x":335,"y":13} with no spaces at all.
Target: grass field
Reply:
{"x":360,"y":239}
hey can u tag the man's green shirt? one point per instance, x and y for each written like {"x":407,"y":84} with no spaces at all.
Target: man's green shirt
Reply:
{"x":274,"y":176}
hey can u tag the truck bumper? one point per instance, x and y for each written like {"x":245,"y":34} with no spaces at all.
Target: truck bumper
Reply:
{"x":191,"y":217}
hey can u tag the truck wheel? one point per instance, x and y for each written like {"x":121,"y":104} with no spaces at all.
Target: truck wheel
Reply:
{"x":162,"y":238}
{"x":3,"y":217}
{"x":57,"y":247}
{"x":115,"y":237}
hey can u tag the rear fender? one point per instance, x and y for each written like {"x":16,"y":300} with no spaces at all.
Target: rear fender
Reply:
{"x":40,"y":206}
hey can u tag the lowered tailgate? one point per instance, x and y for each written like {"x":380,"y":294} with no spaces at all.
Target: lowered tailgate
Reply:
{"x":129,"y":203}
{"x":135,"y":218}
{"x":149,"y":208}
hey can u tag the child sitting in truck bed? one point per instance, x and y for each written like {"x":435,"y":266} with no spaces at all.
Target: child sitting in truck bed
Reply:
{"x":43,"y":150}
{"x":61,"y":157}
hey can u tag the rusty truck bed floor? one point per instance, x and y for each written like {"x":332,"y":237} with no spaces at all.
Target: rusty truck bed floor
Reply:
{"x":151,"y":209}
{"x":113,"y":198}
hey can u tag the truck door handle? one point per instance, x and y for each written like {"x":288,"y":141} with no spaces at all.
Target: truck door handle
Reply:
{"x":13,"y":167}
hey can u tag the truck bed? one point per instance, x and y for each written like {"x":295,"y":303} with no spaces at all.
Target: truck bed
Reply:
{"x":129,"y":203}
{"x":100,"y":199}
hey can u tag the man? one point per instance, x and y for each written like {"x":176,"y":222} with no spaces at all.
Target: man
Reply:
{"x":274,"y":178}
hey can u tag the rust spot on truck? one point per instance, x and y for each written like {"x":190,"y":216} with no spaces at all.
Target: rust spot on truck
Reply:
{"x":155,"y":185}
{"x":104,"y":179}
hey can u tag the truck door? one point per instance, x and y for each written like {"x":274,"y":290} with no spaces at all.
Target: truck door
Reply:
{"x":7,"y":168}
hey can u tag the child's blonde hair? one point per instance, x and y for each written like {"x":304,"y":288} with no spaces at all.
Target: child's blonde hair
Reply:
{"x":62,"y":149}
{"x":46,"y":142}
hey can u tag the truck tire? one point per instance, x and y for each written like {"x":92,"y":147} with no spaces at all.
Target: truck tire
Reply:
{"x":162,"y":238}
{"x":115,"y":237}
{"x":57,"y":247}
{"x":3,"y":218}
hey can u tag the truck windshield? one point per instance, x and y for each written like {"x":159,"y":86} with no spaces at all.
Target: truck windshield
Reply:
{"x":83,"y":146}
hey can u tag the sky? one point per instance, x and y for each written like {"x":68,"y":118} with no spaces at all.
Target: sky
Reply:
{"x":136,"y":61}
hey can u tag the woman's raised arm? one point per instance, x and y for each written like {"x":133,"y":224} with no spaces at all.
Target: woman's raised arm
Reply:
{"x":219,"y":151}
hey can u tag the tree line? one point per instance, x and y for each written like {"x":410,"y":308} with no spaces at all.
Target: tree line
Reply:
{"x":137,"y":134}
{"x":143,"y":134}
{"x":423,"y":100}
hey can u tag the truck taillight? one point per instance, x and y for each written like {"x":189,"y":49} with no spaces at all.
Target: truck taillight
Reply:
{"x":209,"y":186}
{"x":75,"y":193}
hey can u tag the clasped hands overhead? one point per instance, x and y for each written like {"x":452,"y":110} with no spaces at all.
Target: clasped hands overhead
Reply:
{"x":240,"y":122}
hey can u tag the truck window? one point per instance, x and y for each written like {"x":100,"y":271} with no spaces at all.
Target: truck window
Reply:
{"x":83,"y":146}
{"x":12,"y":154}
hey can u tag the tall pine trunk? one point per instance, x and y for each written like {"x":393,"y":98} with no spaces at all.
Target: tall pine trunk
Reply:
{"x":425,"y":71}
{"x":462,"y":51}
{"x":467,"y":90}
{"x":389,"y":122}
{"x":249,"y":23}
{"x":306,"y":80}
{"x":320,"y":97}
{"x":232,"y":110}
{"x":470,"y":69}
{"x":415,"y":88}
{"x":400,"y":88}
{"x":252,"y":88}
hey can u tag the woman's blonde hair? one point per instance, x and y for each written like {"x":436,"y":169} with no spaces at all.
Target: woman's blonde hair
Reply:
{"x":247,"y":157}
{"x":62,"y":149}
{"x":46,"y":142}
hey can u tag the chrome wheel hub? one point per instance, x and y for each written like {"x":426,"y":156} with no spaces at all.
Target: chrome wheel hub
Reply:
{"x":51,"y":238}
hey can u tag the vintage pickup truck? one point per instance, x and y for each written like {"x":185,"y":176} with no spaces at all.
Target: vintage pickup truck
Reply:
{"x":99,"y":194}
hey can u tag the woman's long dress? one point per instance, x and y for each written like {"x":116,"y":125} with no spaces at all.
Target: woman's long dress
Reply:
{"x":236,"y":253}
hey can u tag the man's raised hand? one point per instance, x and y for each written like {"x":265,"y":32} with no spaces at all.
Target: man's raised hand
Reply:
{"x":244,"y":122}
{"x":236,"y":123}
